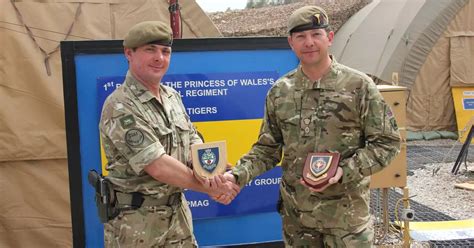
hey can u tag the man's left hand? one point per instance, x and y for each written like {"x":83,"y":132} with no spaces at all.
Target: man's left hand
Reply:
{"x":332,"y":180}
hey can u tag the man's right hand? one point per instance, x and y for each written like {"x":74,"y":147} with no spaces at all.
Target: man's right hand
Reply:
{"x":224,"y":188}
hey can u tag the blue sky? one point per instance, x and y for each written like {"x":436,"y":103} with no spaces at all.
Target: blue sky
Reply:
{"x":221,"y":5}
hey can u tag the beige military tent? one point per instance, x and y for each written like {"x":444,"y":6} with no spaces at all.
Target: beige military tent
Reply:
{"x":425,"y":45}
{"x":34,"y":186}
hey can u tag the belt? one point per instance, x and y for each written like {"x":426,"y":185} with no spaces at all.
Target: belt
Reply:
{"x":136,"y":200}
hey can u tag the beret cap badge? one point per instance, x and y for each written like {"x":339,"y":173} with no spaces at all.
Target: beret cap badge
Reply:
{"x":306,"y":18}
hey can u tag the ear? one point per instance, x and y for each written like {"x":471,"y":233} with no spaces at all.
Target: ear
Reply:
{"x":330,"y":37}
{"x":290,"y":41}
{"x":128,"y":53}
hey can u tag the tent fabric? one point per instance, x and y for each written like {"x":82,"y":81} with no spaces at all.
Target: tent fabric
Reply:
{"x":400,"y":33}
{"x":33,"y":126}
{"x":462,"y":62}
{"x":461,"y":36}
{"x":374,"y":25}
{"x":195,"y":21}
{"x":425,"y":45}
{"x":38,"y":132}
{"x":33,"y":167}
{"x":34,"y":207}
{"x":431,"y":103}
{"x":432,"y":20}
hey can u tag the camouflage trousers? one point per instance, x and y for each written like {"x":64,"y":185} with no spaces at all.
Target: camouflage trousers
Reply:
{"x":296,"y":235}
{"x":337,"y":221}
{"x":152,"y":226}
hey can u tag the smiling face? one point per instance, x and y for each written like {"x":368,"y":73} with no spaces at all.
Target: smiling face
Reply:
{"x":311,"y":46}
{"x":149,"y":63}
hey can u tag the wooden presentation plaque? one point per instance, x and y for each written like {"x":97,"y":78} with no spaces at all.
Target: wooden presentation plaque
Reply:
{"x":209,"y":159}
{"x":319,"y":168}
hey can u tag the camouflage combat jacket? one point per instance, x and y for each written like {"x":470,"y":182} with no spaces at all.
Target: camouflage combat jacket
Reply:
{"x":342,"y":112}
{"x":136,"y":129}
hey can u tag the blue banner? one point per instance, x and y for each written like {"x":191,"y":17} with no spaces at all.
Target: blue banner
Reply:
{"x":212,"y":96}
{"x":224,"y":93}
{"x":247,"y":75}
{"x":249,"y":201}
{"x":105,"y":86}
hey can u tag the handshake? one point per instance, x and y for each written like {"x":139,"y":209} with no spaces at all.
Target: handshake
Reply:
{"x":221,"y":188}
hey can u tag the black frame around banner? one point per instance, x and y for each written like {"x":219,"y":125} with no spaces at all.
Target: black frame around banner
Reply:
{"x":69,"y":49}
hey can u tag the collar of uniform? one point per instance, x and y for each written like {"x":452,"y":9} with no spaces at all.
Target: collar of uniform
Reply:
{"x":327,"y":82}
{"x":143,"y":94}
{"x":302,"y":81}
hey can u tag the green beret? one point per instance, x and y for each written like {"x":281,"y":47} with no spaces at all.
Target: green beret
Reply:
{"x":308,"y":17}
{"x":149,"y":32}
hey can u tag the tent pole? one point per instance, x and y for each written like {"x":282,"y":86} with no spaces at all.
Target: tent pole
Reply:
{"x":175,"y":19}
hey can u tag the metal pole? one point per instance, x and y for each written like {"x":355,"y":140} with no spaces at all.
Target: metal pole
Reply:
{"x":463,"y":153}
{"x":406,"y":223}
{"x":385,"y":210}
{"x":175,"y":19}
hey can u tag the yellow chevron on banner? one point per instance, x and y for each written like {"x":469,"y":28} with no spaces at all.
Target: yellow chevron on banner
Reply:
{"x":238,"y":134}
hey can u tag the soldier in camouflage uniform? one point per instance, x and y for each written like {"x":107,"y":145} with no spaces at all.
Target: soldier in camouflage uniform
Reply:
{"x":146,"y":136}
{"x":322,"y":106}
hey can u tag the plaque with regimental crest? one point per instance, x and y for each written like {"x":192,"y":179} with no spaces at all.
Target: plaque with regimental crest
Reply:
{"x":209,"y":159}
{"x":319,"y":168}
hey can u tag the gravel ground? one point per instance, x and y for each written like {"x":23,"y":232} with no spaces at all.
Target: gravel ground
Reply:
{"x":433,"y":186}
{"x":431,"y":183}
